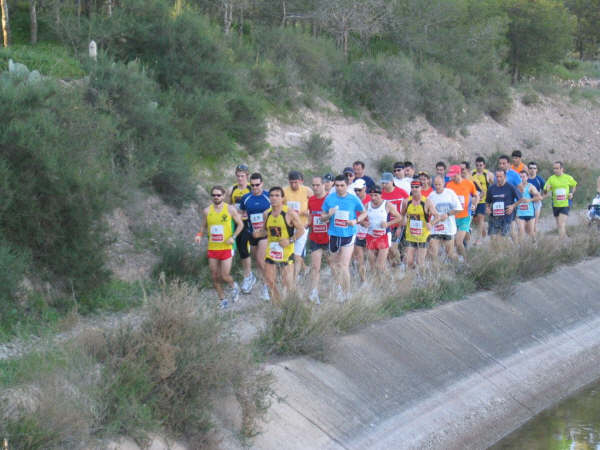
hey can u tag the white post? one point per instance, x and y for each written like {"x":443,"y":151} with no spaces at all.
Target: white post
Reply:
{"x":93,"y":49}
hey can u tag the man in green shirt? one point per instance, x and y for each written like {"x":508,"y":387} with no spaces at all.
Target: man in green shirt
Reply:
{"x":563,"y":187}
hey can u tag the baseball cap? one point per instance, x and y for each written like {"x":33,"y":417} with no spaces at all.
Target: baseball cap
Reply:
{"x":348,"y":170}
{"x":387,"y":177}
{"x":454,"y":170}
{"x":327,"y":177}
{"x":359,"y":184}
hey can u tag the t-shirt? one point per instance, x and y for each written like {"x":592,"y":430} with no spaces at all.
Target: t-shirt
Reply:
{"x":444,"y":202}
{"x":464,"y":190}
{"x":368,"y":181}
{"x":395,"y":198}
{"x":538,"y":182}
{"x":297,"y":201}
{"x":318,"y":229}
{"x":426,"y":192}
{"x":347,"y":206}
{"x":518,"y":168}
{"x":402,"y":183}
{"x":561,"y":187}
{"x":500,"y":197}
{"x":255,"y":206}
{"x":513,"y":177}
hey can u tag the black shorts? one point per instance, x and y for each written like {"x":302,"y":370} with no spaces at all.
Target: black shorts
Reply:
{"x":281,"y":263}
{"x":416,"y":244}
{"x":441,"y":237}
{"x":254,"y":242}
{"x":360,"y":243}
{"x":315,"y":246}
{"x":336,"y":242}
{"x":481,"y":209}
{"x":562,"y":210}
{"x":526,"y":218}
{"x":499,"y":225}
{"x":242,"y":244}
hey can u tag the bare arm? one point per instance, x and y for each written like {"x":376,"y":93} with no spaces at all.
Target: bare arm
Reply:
{"x":396,"y":216}
{"x":535,"y":194}
{"x":239,"y":225}
{"x":203,"y":227}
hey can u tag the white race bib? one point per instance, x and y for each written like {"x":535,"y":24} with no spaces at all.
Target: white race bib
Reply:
{"x":378,"y":232}
{"x":524,"y":206}
{"x":294,"y":206}
{"x":318,"y":225}
{"x":275,"y":251}
{"x":416,"y":227}
{"x":258,"y":220}
{"x":497,"y":209}
{"x":440,"y":228}
{"x":216,"y":233}
{"x":341,"y":218}
{"x":561,"y":194}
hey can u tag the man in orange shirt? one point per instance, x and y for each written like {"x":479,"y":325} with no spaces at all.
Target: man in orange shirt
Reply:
{"x":464,"y":189}
{"x":517,"y":165}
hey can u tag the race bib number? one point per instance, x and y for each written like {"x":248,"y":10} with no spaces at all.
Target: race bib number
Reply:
{"x":318,"y":225}
{"x":295,"y":206}
{"x":378,"y":232}
{"x":361,"y":235}
{"x":216,"y":233}
{"x":497,"y":209}
{"x":341,"y":218}
{"x":416,"y":227}
{"x":440,"y":228}
{"x":258,"y":220}
{"x":275,"y":251}
{"x":561,"y":194}
{"x":523,"y":206}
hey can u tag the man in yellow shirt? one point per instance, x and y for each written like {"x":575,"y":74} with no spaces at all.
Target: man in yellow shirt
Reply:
{"x":296,"y":199}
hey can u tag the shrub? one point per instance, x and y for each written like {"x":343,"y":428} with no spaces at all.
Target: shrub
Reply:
{"x":48,"y":59}
{"x":181,"y":260}
{"x":386,"y":163}
{"x":318,"y":148}
{"x":530,"y":98}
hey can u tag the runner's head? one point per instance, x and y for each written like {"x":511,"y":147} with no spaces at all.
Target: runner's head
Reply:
{"x":276,"y":196}
{"x":241,"y":173}
{"x":524,"y":176}
{"x":341,"y":185}
{"x":376,"y":195}
{"x":440,"y":168}
{"x":439,"y":183}
{"x":465,"y":169}
{"x":387,"y":181}
{"x":558,"y":168}
{"x":360,"y":188}
{"x":409,"y":169}
{"x":349,"y":174}
{"x":359,"y":168}
{"x":217,"y":194}
{"x":500,"y":176}
{"x":480,"y":164}
{"x":295,"y":180}
{"x":503,"y":162}
{"x":256,"y":183}
{"x":425,"y":180}
{"x":516,"y":157}
{"x":415,"y":189}
{"x":328,"y":182}
{"x":532,"y":168}
{"x":454,"y":173}
{"x":317,"y":186}
{"x":399,"y":169}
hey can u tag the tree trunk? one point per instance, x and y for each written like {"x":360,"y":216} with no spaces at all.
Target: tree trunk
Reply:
{"x":284,"y":7}
{"x":346,"y":44}
{"x":33,"y":23}
{"x":241,"y":20}
{"x":228,"y":18}
{"x":5,"y":23}
{"x":109,"y":6}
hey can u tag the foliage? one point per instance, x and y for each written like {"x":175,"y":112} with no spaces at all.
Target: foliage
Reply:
{"x":47,"y":58}
{"x":587,"y":36}
{"x":180,"y":260}
{"x":318,"y":148}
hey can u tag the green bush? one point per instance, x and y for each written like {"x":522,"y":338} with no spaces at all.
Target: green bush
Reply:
{"x":47,"y":58}
{"x":13,"y":266}
{"x":318,"y":148}
{"x":530,"y":98}
{"x":181,"y":260}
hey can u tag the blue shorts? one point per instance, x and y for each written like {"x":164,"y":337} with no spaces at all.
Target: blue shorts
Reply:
{"x":499,"y":225}
{"x":562,"y":210}
{"x":480,"y":209}
{"x":360,"y":242}
{"x":337,"y":242}
{"x":526,"y":218}
{"x":314,"y":246}
{"x":464,"y":224}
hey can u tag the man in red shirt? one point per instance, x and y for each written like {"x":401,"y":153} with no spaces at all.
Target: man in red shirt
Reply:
{"x":394,"y":195}
{"x":318,"y":237}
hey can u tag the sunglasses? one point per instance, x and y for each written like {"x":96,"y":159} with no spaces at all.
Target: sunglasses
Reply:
{"x":255,"y":184}
{"x":399,"y":169}
{"x":358,"y":189}
{"x":217,"y":195}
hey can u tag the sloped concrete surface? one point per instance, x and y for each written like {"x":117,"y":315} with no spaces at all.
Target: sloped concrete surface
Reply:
{"x":460,"y":376}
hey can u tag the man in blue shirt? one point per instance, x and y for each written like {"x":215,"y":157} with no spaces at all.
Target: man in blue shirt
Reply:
{"x":512,"y":177}
{"x":501,"y":200}
{"x":343,"y":211}
{"x":539,"y":183}
{"x":359,"y":173}
{"x":255,"y":203}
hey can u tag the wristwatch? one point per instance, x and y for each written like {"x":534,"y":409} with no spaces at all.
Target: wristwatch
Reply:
{"x":292,"y":240}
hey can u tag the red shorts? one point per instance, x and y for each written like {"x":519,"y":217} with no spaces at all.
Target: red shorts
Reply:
{"x":377,"y":243}
{"x":220,"y":254}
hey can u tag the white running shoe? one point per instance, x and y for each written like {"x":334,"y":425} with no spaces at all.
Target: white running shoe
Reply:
{"x":235,"y":293}
{"x":248,"y":283}
{"x":224,"y":304}
{"x":314,"y":297}
{"x":340,"y":294}
{"x":265,"y":294}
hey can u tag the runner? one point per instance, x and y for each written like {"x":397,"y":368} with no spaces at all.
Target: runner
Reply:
{"x":465,"y":171}
{"x":217,"y":224}
{"x":517,"y":165}
{"x":409,"y":174}
{"x":440,"y":169}
{"x":446,"y":204}
{"x":399,"y":178}
{"x":254,"y":204}
{"x":539,"y":183}
{"x":465,"y":190}
{"x":360,"y":188}
{"x":282,"y":228}
{"x":327,"y":183}
{"x":234,"y":197}
{"x":381,"y":215}
{"x":318,"y":238}
{"x":500,"y":199}
{"x":341,"y":209}
{"x":418,"y":210}
{"x":593,"y":212}
{"x":484,"y":179}
{"x":296,"y":197}
{"x":349,"y":174}
{"x":395,"y":196}
{"x":525,"y":210}
{"x":563,"y":188}
{"x":512,"y":176}
{"x":426,"y":187}
{"x":359,"y":172}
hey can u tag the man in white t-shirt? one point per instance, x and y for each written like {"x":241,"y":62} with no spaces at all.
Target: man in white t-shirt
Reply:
{"x":443,"y":225}
{"x":400,"y":180}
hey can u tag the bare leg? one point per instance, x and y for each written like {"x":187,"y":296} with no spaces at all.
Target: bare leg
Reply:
{"x":434,"y":250}
{"x":359,"y":256}
{"x":460,"y":243}
{"x":315,"y":268}
{"x":449,"y":245}
{"x":288,"y":278}
{"x":215,"y":274}
{"x":521,"y":234}
{"x":561,"y":223}
{"x":270,"y":274}
{"x":381,"y":260}
{"x":246,"y":266}
{"x":225,"y":270}
{"x":343,"y":264}
{"x":410,"y":257}
{"x":298,"y":265}
{"x":258,"y":253}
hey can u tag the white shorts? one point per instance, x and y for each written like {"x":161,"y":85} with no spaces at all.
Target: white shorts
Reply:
{"x":300,"y":244}
{"x":537,"y":206}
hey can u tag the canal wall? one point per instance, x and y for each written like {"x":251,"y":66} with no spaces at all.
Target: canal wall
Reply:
{"x":460,"y":376}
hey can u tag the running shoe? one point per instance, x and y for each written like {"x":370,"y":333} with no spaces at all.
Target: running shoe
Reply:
{"x":235,"y":293}
{"x":265,"y":294}
{"x":314,"y":297}
{"x":248,"y":283}
{"x":224,"y":304}
{"x":340,"y":294}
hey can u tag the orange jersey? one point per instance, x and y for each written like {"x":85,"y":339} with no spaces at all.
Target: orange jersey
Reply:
{"x":518,"y":168}
{"x":463,"y":191}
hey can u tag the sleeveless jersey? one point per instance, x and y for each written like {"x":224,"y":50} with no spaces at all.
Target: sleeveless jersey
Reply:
{"x":526,"y":209}
{"x":416,"y":219}
{"x":219,"y":228}
{"x":277,"y":229}
{"x":297,"y":201}
{"x":376,"y":216}
{"x":361,"y":232}
{"x":237,"y":194}
{"x":482,"y":181}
